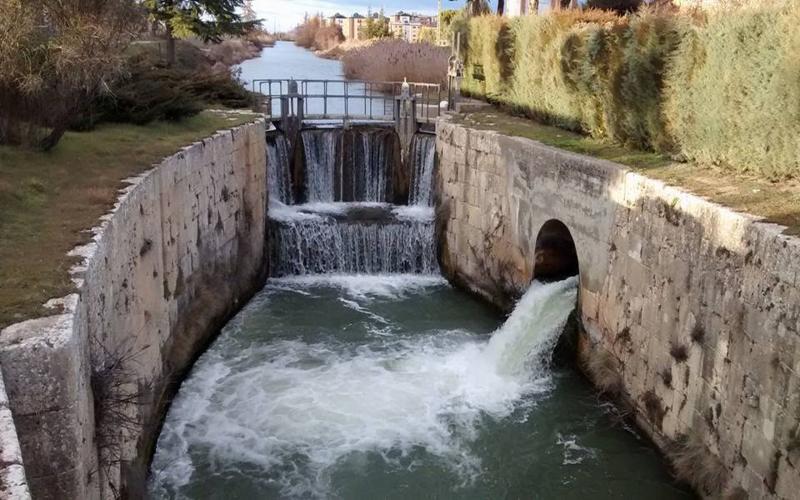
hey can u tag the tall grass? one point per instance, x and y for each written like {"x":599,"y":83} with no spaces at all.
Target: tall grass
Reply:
{"x":393,"y":60}
{"x":718,"y":87}
{"x":733,"y":90}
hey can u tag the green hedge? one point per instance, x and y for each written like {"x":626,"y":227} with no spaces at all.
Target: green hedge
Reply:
{"x":489,"y":52}
{"x":720,"y":88}
{"x":734,"y":91}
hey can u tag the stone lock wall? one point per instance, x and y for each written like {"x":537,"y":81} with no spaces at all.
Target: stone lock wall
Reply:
{"x":690,"y":310}
{"x":183,"y":248}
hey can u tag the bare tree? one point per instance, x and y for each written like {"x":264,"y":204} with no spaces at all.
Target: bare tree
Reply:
{"x":56,"y":56}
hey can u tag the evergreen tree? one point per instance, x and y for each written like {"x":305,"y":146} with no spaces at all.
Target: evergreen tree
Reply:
{"x":207,"y":19}
{"x":376,"y":27}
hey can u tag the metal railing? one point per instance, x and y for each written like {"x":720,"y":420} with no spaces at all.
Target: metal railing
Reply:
{"x":343,"y":99}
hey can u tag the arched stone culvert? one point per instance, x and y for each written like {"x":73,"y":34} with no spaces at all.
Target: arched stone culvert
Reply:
{"x":555,"y":256}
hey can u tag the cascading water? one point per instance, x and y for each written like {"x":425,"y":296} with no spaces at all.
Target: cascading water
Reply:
{"x":348,"y":164}
{"x":371,"y":162}
{"x":389,"y":385}
{"x":278,"y":176}
{"x":363,"y":234}
{"x":322,"y":149}
{"x":310,"y":239}
{"x":423,"y":153}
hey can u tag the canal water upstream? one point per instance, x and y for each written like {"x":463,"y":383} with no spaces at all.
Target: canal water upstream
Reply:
{"x":390,"y":385}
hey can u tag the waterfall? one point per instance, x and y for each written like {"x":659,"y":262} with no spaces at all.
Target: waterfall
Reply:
{"x":371,"y":163}
{"x":348,"y":165}
{"x":423,"y":152}
{"x":526,"y":340}
{"x":345,"y":224}
{"x":278,"y":175}
{"x":321,"y":147}
{"x":304,"y":241}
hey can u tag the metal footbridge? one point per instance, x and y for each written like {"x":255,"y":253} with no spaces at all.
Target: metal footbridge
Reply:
{"x":346,"y":100}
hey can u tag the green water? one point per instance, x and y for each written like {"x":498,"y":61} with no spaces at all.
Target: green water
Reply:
{"x":384,"y":387}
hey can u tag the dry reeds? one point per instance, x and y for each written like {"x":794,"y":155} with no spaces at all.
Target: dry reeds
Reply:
{"x":602,"y":369}
{"x":316,"y":34}
{"x":694,"y":463}
{"x":393,"y":60}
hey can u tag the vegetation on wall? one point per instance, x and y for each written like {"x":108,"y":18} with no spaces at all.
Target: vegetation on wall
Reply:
{"x":717,"y":88}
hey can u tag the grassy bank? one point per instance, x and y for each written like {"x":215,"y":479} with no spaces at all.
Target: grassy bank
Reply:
{"x":717,"y":87}
{"x":49,"y":200}
{"x":775,"y":202}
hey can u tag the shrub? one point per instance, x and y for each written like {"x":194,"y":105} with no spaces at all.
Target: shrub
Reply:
{"x":732,"y":90}
{"x":539,"y":85}
{"x":717,"y":87}
{"x":615,"y":73}
{"x":393,"y":60}
{"x":148,"y":94}
{"x":56,"y":56}
{"x":154,"y":92}
{"x":316,"y":34}
{"x":694,"y":463}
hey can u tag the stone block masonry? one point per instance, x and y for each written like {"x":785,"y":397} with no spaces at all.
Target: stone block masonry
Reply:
{"x":696,"y":308}
{"x":178,"y":255}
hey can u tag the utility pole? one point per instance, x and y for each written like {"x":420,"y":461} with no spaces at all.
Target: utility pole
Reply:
{"x":439,"y":24}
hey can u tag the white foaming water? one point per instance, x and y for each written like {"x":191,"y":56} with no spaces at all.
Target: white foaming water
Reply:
{"x":414,"y":213}
{"x":315,"y":243}
{"x":366,"y":286}
{"x":264,"y":405}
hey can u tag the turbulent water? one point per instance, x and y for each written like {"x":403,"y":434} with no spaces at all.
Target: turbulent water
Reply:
{"x":279,"y":179}
{"x":337,"y":238}
{"x":422,"y":156}
{"x":393,"y":387}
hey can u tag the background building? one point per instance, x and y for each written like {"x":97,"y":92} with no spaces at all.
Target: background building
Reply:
{"x":407,"y":26}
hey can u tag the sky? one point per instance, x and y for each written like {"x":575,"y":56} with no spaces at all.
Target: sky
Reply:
{"x":286,"y":14}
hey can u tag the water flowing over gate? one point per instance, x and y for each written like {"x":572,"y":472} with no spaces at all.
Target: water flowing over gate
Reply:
{"x":350,"y":204}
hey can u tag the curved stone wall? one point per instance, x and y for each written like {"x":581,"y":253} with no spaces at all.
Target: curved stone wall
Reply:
{"x":181,"y":251}
{"x":690,"y":311}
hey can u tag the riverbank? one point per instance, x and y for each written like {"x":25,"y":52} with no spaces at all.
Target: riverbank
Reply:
{"x":49,"y":201}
